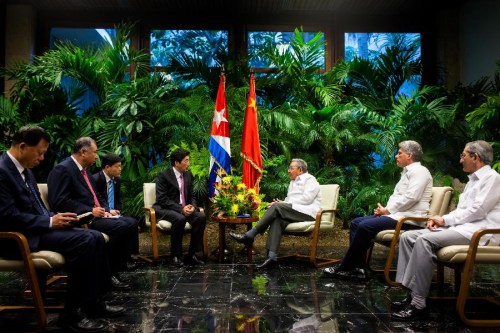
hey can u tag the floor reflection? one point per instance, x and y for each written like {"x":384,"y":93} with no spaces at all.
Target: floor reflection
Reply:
{"x":235,"y":297}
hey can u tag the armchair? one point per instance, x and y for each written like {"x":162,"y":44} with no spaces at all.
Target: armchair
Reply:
{"x":149,"y":191}
{"x":325,"y":220}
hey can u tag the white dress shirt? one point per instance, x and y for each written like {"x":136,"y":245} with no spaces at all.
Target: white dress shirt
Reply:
{"x":412,"y":193}
{"x":304,"y":194}
{"x":478,"y":206}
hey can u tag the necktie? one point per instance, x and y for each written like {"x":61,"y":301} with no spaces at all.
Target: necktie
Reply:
{"x":84,"y":174}
{"x":183,"y":195}
{"x":31,"y":187}
{"x":111,"y":194}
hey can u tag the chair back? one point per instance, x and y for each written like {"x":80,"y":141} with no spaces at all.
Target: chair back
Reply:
{"x":44,"y":193}
{"x":329,"y":199}
{"x":440,"y":200}
{"x":149,"y":190}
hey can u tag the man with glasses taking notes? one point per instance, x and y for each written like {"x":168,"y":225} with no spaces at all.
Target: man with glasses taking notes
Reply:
{"x":301,"y":204}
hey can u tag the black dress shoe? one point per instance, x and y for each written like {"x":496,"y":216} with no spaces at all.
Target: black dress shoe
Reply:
{"x":131,"y":265}
{"x":241,"y":238}
{"x":399,"y":305}
{"x":177,"y":261}
{"x":193,"y":260}
{"x":268,"y":264}
{"x":102,"y":309}
{"x":409,"y":313}
{"x":116,"y":283}
{"x":330,"y":271}
{"x":353,"y":274}
{"x":78,"y":322}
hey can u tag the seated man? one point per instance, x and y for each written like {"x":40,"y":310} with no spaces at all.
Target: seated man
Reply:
{"x":71,"y":189}
{"x":478,"y":207}
{"x":175,"y":202}
{"x":302,"y":203}
{"x":411,"y":197}
{"x":108,"y":185}
{"x":22,"y":210}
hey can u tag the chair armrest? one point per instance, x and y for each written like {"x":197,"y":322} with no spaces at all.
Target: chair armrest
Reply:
{"x":21,"y":241}
{"x":319,"y":214}
{"x":474,"y":243}
{"x":152,"y":216}
{"x":399,"y":225}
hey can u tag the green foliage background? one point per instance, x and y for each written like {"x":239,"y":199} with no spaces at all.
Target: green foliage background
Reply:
{"x":345,"y":122}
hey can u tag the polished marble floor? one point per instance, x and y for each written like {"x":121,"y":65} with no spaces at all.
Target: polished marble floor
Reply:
{"x":235,"y":297}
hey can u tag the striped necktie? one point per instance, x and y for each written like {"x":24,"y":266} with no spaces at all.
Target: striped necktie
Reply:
{"x":111,"y":194}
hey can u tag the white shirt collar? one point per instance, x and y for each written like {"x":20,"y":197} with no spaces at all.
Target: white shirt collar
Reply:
{"x":18,"y":165}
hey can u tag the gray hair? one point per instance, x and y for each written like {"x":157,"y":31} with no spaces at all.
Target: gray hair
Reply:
{"x":300,"y":164}
{"x":413,"y":148}
{"x":483,"y":149}
{"x":83,"y":142}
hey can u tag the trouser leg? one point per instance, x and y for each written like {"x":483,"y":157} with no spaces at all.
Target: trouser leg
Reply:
{"x":420,"y":265}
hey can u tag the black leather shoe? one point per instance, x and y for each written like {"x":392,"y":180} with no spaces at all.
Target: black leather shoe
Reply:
{"x":353,"y":274}
{"x":116,"y":283}
{"x":409,"y":313}
{"x":193,"y":260}
{"x":268,"y":264}
{"x":102,"y":309}
{"x":131,"y":265}
{"x":78,"y":322}
{"x":241,"y":238}
{"x":399,"y":305}
{"x":330,"y":271}
{"x":177,"y":261}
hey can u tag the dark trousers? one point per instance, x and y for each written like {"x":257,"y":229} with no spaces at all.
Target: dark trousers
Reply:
{"x":362,"y":231}
{"x":84,"y":251}
{"x":120,"y":231}
{"x":197,"y":221}
{"x":277,"y":217}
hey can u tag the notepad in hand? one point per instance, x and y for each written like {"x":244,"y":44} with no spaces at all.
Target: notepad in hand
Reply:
{"x":84,"y":218}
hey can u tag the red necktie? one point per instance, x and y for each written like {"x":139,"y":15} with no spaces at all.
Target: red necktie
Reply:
{"x":183,"y":195}
{"x":84,"y":174}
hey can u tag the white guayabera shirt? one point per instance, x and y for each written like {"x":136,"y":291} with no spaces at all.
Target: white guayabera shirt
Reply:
{"x":478,"y":206}
{"x":304,"y":194}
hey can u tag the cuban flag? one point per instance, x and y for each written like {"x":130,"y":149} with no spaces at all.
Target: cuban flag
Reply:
{"x":219,"y":145}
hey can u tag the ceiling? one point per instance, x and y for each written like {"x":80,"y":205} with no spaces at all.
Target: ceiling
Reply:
{"x":231,"y":7}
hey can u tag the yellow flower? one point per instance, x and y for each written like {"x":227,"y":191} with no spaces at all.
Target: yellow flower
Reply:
{"x":240,"y":197}
{"x":235,"y":208}
{"x":252,"y":191}
{"x":241,"y":186}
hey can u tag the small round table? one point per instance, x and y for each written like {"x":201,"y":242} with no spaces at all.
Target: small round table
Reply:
{"x":223,"y":221}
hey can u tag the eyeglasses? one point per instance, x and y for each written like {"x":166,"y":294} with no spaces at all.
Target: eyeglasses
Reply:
{"x":463,"y":155}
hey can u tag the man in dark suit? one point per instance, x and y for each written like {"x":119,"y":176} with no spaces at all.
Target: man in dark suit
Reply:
{"x":108,"y":185}
{"x":22,"y":210}
{"x":175,"y":203}
{"x":72,"y":189}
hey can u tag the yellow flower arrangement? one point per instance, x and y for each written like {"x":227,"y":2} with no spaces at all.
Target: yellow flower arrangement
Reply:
{"x":234,"y":199}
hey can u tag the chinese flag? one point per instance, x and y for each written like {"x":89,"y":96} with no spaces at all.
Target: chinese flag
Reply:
{"x":250,"y":146}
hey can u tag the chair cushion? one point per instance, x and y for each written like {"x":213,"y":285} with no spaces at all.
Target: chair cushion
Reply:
{"x":164,"y":225}
{"x":307,"y":226}
{"x":458,"y":253}
{"x":44,"y":260}
{"x":385,"y":235}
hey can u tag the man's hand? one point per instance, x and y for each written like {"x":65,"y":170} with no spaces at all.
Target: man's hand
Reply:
{"x":187,"y":210}
{"x":380,"y":210}
{"x":435,"y":222}
{"x":63,"y":220}
{"x":98,"y":212}
{"x":114,"y":212}
{"x":273,"y":202}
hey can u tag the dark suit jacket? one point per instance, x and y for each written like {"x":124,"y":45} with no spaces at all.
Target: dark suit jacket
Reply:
{"x":102,"y":187}
{"x":68,"y":191}
{"x":168,"y":192}
{"x":18,"y":211}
